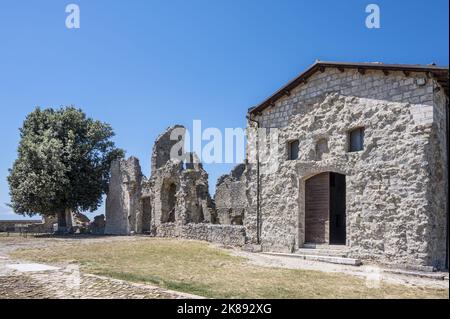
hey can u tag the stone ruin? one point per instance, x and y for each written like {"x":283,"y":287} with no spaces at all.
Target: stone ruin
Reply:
{"x":231,"y":197}
{"x":175,"y":201}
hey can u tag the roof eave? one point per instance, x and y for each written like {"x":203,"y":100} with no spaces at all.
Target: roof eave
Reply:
{"x":440,"y":73}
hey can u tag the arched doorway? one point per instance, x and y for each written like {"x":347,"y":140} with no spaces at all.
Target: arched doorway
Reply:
{"x":325,"y":206}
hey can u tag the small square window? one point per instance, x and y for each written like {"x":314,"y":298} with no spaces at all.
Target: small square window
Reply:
{"x":356,"y":140}
{"x":293,"y":150}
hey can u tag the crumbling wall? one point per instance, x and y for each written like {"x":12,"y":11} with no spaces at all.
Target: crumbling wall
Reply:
{"x":179,"y":185}
{"x":231,"y":198}
{"x":165,"y":186}
{"x":231,"y":235}
{"x":174,"y":201}
{"x":16,"y":225}
{"x":181,"y":195}
{"x":123,"y":200}
{"x":195,"y":198}
{"x":164,"y":144}
{"x":97,"y":226}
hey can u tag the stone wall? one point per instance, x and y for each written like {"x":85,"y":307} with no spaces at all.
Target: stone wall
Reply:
{"x":230,"y":235}
{"x":175,"y":193}
{"x":124,"y":195}
{"x":395,"y":188}
{"x":163,"y":146}
{"x":415,"y":89}
{"x":437,"y":157}
{"x":231,"y":198}
{"x":16,"y":225}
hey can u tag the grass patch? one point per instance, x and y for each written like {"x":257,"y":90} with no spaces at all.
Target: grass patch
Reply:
{"x":198,"y":268}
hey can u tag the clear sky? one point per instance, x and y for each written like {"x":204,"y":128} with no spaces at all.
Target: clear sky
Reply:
{"x":143,"y":65}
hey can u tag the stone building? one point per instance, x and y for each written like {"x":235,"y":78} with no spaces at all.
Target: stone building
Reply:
{"x":347,"y":155}
{"x":361,"y":161}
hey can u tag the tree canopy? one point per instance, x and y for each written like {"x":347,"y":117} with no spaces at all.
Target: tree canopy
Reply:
{"x":63,"y":163}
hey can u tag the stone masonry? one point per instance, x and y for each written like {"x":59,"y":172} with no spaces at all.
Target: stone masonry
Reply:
{"x":396,"y":186}
{"x":123,"y":198}
{"x":174,"y":201}
{"x":231,"y":198}
{"x":390,"y":204}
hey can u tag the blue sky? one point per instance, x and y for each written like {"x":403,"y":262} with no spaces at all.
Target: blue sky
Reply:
{"x":145,"y":65}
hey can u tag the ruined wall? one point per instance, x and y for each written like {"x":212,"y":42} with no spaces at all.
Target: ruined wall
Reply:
{"x":231,"y":198}
{"x":15,"y":225}
{"x":222,"y":234}
{"x":393,"y":214}
{"x":173,"y":202}
{"x":195,"y":198}
{"x":165,"y":204}
{"x":181,"y":195}
{"x":178,"y":187}
{"x":97,"y":226}
{"x":123,"y":200}
{"x":163,"y":145}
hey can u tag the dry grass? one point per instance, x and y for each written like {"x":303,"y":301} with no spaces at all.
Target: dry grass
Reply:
{"x":198,"y":268}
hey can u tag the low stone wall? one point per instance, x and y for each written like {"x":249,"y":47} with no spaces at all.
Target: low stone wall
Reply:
{"x":15,"y":225}
{"x":232,"y":235}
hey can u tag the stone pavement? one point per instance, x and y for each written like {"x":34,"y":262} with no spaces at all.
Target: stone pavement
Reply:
{"x":68,"y":282}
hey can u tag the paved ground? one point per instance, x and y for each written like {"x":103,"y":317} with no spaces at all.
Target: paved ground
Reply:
{"x":66,"y":281}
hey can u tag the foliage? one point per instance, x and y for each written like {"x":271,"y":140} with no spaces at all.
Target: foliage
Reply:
{"x":63,"y":162}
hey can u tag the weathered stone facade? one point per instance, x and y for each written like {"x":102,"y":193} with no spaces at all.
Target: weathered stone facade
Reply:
{"x":385,"y":201}
{"x":396,"y":187}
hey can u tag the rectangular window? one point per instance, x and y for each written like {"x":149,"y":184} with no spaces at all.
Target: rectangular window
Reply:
{"x":356,"y":140}
{"x":293,"y":150}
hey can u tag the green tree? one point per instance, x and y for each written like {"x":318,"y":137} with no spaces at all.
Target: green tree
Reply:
{"x":63,"y":163}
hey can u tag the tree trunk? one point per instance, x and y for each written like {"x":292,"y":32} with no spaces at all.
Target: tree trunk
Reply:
{"x":62,"y":219}
{"x":69,"y":222}
{"x":65,"y":221}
